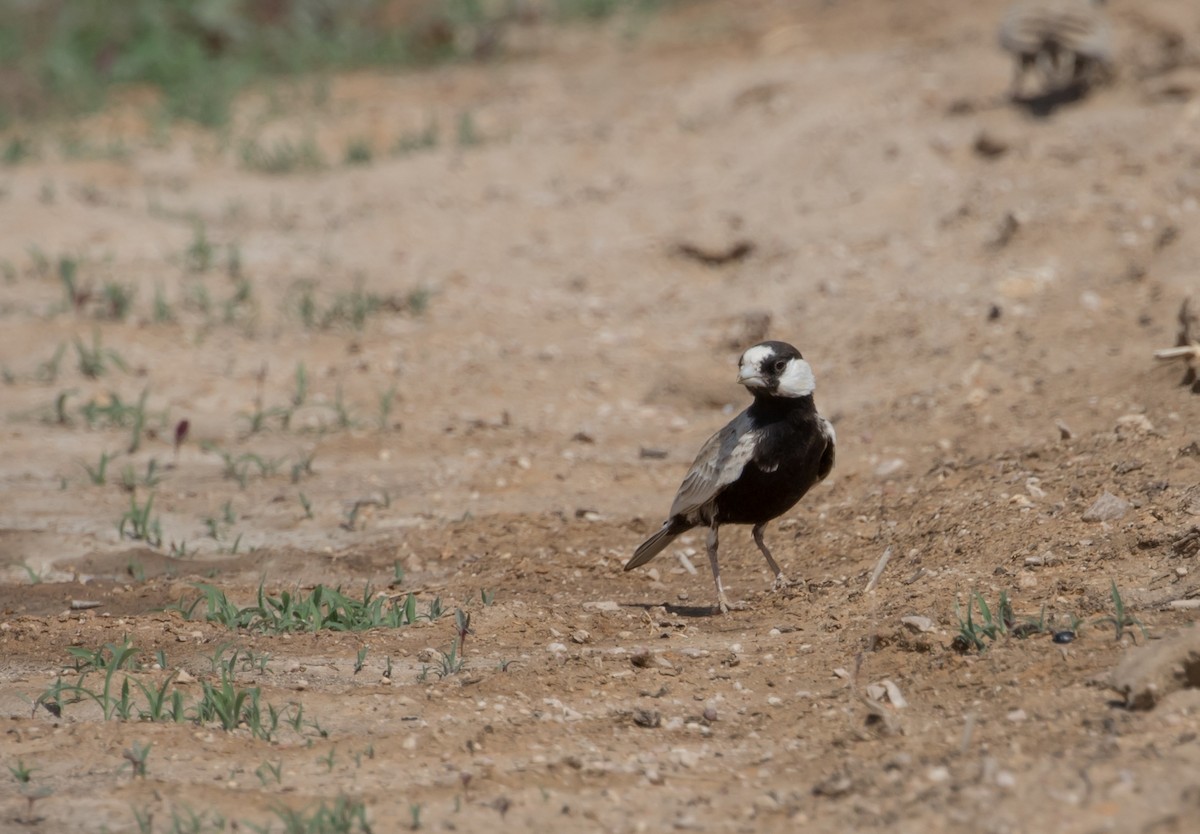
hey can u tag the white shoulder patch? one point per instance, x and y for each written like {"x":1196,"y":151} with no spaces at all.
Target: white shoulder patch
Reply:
{"x":796,"y":380}
{"x":827,"y":430}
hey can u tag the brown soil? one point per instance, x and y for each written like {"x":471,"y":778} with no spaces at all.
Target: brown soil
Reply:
{"x":959,"y":299}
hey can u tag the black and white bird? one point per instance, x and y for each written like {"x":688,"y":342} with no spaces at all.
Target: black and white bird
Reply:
{"x":757,"y":467}
{"x":1068,"y":42}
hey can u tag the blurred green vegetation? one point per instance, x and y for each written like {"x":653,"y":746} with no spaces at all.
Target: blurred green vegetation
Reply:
{"x":63,"y":56}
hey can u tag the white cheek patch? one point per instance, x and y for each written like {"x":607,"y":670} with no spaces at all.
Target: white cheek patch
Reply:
{"x":796,"y":380}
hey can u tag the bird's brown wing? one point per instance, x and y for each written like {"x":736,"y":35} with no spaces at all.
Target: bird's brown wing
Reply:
{"x":718,"y":464}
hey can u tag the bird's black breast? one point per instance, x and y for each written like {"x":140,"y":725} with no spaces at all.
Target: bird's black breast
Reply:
{"x":787,"y":461}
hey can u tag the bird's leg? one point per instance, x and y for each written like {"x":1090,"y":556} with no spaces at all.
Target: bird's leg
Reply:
{"x":722,"y":601}
{"x":780,"y":579}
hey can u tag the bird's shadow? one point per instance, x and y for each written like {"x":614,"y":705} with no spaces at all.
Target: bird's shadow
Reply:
{"x":1043,"y":104}
{"x":677,"y":610}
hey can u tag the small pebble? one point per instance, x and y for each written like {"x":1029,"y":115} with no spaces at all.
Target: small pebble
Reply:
{"x":647,"y":718}
{"x":889,"y":468}
{"x":604,"y":605}
{"x":1064,"y":636}
{"x":766,"y":803}
{"x":684,"y":757}
{"x":918,"y":623}
{"x":1107,"y":507}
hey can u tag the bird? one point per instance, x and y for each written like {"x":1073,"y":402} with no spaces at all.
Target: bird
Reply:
{"x":758,"y":466}
{"x":1069,"y":42}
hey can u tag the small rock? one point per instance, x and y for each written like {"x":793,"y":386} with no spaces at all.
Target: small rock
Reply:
{"x":556,"y":648}
{"x":1064,"y":636}
{"x":1107,"y":507}
{"x":184,"y":677}
{"x":1184,"y":604}
{"x":1016,"y":716}
{"x":990,"y":146}
{"x":1006,"y":779}
{"x":1006,"y":230}
{"x":648,"y":718}
{"x":641,"y":657}
{"x":1133,"y":424}
{"x":889,"y":468}
{"x":766,"y":803}
{"x":580,"y":636}
{"x":938,"y":774}
{"x":839,"y":784}
{"x":894,"y":694}
{"x":605,"y":605}
{"x":774,"y":701}
{"x":684,"y":757}
{"x":710,"y":714}
{"x":917,"y":623}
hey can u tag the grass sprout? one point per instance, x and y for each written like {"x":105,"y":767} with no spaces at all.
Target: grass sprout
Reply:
{"x":324,"y":608}
{"x":972,"y":632}
{"x":138,"y":524}
{"x":1120,"y":619}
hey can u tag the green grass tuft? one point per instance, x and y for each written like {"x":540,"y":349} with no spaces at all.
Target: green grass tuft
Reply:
{"x":323,"y":608}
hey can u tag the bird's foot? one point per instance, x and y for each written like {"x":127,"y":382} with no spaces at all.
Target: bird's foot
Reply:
{"x":725,"y":606}
{"x":781,"y":582}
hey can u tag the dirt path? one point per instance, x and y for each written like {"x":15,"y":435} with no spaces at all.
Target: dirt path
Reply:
{"x":449,"y":363}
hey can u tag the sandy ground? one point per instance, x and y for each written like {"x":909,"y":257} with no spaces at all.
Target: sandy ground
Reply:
{"x":979,"y":290}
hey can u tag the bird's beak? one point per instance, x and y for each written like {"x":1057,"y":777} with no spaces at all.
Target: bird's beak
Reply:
{"x":750,"y":378}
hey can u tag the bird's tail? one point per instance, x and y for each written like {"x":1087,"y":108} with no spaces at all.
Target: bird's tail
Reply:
{"x":657,"y":543}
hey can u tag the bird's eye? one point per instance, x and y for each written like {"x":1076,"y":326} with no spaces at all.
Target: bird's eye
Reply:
{"x":780,"y":365}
